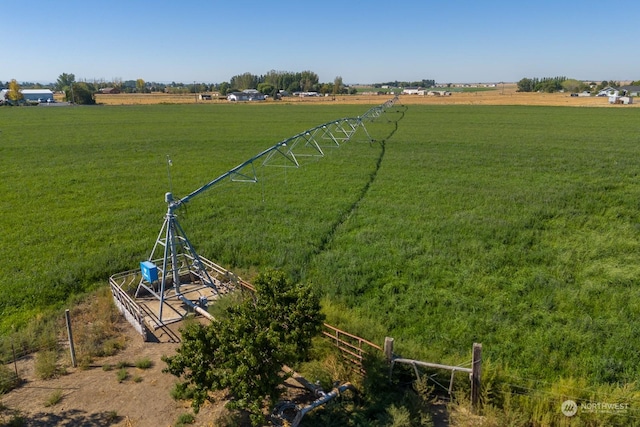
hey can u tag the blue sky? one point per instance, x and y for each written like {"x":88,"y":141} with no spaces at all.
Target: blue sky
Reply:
{"x":363,"y":42}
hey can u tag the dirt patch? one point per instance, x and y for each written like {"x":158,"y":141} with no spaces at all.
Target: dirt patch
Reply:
{"x":95,"y":396}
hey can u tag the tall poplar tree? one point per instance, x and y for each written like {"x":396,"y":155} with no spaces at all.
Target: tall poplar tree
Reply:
{"x":14,"y":91}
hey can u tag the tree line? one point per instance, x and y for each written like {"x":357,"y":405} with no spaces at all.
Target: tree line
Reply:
{"x":425,"y":83}
{"x":562,"y":83}
{"x":272,"y":83}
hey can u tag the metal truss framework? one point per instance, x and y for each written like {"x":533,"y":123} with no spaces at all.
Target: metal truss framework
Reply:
{"x":179,"y":262}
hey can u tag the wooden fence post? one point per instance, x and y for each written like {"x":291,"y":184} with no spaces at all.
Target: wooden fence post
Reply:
{"x":476,"y":370}
{"x":71,"y":347}
{"x":15,"y":363}
{"x":388,"y":348}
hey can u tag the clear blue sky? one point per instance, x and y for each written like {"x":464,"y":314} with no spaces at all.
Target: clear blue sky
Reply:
{"x":361,"y":41}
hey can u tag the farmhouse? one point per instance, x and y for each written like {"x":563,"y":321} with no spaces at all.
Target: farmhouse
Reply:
{"x":608,"y":91}
{"x":246,"y":95}
{"x":630,"y":90}
{"x":109,"y":90}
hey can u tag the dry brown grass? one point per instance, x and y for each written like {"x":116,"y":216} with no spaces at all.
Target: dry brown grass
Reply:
{"x":149,"y":98}
{"x":499,"y":96}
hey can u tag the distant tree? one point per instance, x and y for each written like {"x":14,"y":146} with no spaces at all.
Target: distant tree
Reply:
{"x":64,"y":82}
{"x":277,"y":78}
{"x":224,"y":88}
{"x":293,"y":87}
{"x":117,"y":83}
{"x":308,"y":81}
{"x":245,"y":350}
{"x":635,"y":83}
{"x":128,"y":86}
{"x":14,"y":93}
{"x":266,"y":88}
{"x":326,"y":88}
{"x":606,"y":83}
{"x":81,"y":93}
{"x":337,"y":85}
{"x":140,"y":86}
{"x":526,"y":85}
{"x":572,"y":85}
{"x":244,"y":81}
{"x":546,"y":84}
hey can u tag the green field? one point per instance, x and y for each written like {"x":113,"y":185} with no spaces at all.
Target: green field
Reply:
{"x":516,"y":227}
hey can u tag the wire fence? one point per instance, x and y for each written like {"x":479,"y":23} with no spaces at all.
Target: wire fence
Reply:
{"x":14,"y":356}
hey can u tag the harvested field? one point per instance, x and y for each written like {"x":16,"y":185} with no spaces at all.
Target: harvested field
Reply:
{"x":499,"y":96}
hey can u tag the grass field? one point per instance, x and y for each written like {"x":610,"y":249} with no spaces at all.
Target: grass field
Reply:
{"x":512,"y":226}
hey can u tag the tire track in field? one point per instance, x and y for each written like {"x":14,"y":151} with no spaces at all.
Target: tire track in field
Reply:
{"x":347,"y":213}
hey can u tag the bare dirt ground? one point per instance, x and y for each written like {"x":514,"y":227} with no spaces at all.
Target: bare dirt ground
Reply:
{"x":95,"y":397}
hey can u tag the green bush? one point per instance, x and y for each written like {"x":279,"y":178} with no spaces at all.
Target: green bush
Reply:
{"x":181,"y":391}
{"x":144,"y":363}
{"x":185,"y":418}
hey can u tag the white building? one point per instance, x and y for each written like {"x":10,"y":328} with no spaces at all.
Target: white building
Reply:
{"x":30,"y":95}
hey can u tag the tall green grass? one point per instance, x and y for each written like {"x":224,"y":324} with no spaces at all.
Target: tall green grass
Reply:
{"x":516,"y":227}
{"x":83,"y":191}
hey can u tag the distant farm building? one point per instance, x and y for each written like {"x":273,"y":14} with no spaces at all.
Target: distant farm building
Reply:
{"x":437,"y":93}
{"x":608,"y":91}
{"x":411,"y":90}
{"x":109,"y":90}
{"x":630,"y":90}
{"x":246,"y":95}
{"x":30,"y":95}
{"x":38,"y":95}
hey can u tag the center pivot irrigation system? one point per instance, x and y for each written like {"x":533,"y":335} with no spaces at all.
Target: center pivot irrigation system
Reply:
{"x":174,"y":267}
